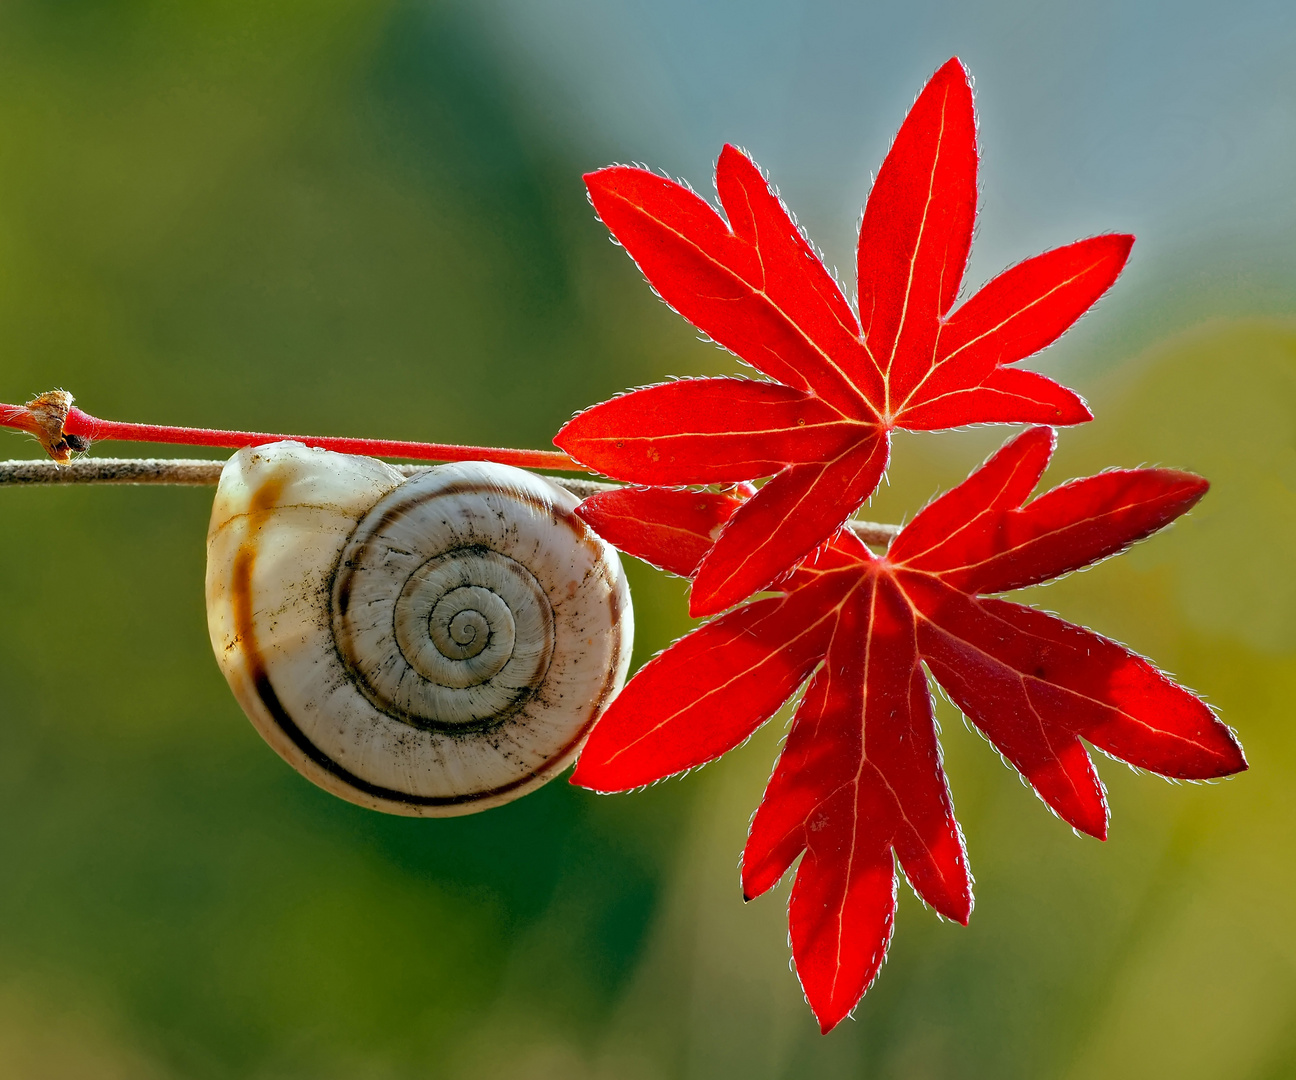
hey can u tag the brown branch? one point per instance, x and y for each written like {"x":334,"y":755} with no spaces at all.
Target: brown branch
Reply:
{"x":113,"y":471}
{"x":198,"y":473}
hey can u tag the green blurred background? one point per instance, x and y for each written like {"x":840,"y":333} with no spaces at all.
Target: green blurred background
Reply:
{"x":366,"y":218}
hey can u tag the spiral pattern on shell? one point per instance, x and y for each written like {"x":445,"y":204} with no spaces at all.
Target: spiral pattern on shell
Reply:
{"x":430,"y":646}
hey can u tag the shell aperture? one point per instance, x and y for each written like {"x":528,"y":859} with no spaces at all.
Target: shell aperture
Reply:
{"x":429,"y":647}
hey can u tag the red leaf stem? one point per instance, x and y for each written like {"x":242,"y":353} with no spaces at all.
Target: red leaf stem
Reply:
{"x":66,"y":430}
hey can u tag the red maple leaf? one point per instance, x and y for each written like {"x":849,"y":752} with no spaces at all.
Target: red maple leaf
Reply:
{"x":859,"y":784}
{"x":755,"y":286}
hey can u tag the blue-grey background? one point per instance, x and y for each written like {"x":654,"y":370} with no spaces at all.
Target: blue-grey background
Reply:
{"x":367,"y":218}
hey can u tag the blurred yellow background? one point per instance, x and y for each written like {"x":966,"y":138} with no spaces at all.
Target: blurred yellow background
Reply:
{"x":367,"y":218}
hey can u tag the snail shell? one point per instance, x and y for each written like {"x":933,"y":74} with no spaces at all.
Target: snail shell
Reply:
{"x":429,"y":647}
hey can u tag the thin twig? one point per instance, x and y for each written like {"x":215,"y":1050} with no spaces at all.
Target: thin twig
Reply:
{"x":185,"y":471}
{"x":198,"y":473}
